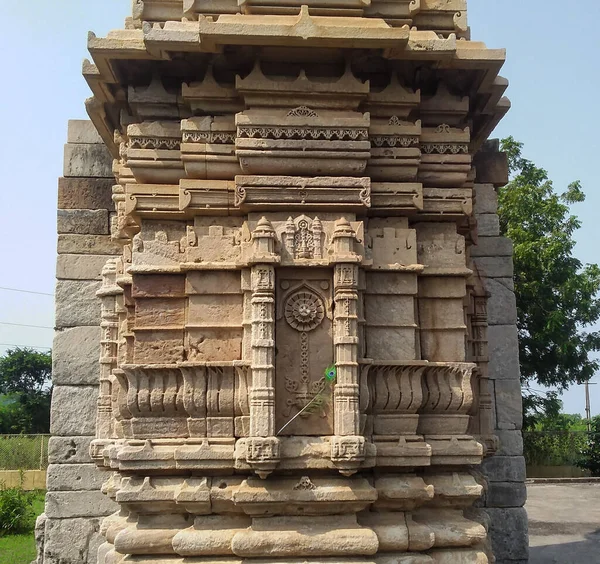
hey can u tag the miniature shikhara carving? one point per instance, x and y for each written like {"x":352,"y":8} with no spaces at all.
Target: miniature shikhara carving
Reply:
{"x":294,"y":342}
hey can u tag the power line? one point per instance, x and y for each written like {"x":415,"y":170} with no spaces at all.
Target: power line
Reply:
{"x":26,"y":291}
{"x":24,"y":346}
{"x":25,"y":325}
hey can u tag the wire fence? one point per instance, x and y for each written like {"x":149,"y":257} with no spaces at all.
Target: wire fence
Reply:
{"x":24,"y":452}
{"x":558,"y":448}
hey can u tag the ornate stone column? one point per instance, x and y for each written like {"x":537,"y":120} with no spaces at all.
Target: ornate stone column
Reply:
{"x":262,"y":446}
{"x":347,"y":445}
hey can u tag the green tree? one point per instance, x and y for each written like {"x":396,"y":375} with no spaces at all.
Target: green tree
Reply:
{"x":25,"y":391}
{"x":557,"y":296}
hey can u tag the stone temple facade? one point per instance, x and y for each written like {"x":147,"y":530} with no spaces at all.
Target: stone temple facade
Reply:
{"x":279,"y":235}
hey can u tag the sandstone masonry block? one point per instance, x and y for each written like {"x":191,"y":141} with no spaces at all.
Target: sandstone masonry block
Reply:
{"x":66,"y":505}
{"x":504,"y":352}
{"x":80,"y":267}
{"x":75,"y":359}
{"x":73,"y":410}
{"x":75,"y":477}
{"x":492,"y":247}
{"x":82,"y":131}
{"x":502,"y":304}
{"x":87,"y":245}
{"x":504,"y":468}
{"x":511,"y":443}
{"x":84,"y":222}
{"x":88,"y":160}
{"x":495,"y":267}
{"x":76,"y":303}
{"x":69,"y":450}
{"x":506,"y":494}
{"x":72,"y":541}
{"x":509,"y":404}
{"x":85,"y":193}
{"x":491,"y":167}
{"x":488,"y":225}
{"x":486,"y":199}
{"x":508,"y":531}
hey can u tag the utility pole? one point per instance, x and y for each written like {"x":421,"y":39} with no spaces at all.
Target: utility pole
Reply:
{"x":588,"y":410}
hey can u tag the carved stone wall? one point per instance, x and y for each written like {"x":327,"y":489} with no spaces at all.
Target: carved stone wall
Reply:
{"x":293,"y":332}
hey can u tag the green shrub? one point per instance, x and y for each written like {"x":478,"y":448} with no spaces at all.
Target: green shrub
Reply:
{"x":16,"y":508}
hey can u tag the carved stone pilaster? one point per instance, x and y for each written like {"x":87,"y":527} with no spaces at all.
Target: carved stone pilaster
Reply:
{"x":263,"y":449}
{"x":107,"y":423}
{"x":347,"y":447}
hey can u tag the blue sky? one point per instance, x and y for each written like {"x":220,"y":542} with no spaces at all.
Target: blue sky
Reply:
{"x":553,"y":56}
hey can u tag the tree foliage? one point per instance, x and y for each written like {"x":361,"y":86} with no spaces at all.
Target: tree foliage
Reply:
{"x":557,"y":296}
{"x":25,"y":391}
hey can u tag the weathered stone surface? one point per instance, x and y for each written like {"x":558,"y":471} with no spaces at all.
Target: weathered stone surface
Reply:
{"x":82,"y":131}
{"x":72,"y":541}
{"x":502,"y":304}
{"x":504,"y":352}
{"x":94,"y":222}
{"x":69,"y":450}
{"x":76,"y":303}
{"x":508,"y":531}
{"x":511,"y":443}
{"x":509,"y":404}
{"x":66,"y":505}
{"x":85,"y":194}
{"x":73,"y":410}
{"x":75,"y":477}
{"x":87,"y":245}
{"x":492,"y":247}
{"x":488,"y":225}
{"x":495,"y":267}
{"x":87,"y":160}
{"x":80,"y":267}
{"x":504,"y":468}
{"x":486,"y":199}
{"x":75,"y":356}
{"x":506,"y":494}
{"x":492,"y":168}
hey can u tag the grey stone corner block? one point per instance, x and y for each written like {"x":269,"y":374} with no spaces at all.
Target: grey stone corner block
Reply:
{"x":82,"y":131}
{"x":488,"y":225}
{"x":72,"y":541}
{"x":509,"y":534}
{"x":492,"y":247}
{"x":505,"y":494}
{"x":502,"y":304}
{"x":75,"y":477}
{"x":80,"y":267}
{"x":75,"y":356}
{"x":503,"y":349}
{"x":486,"y":199}
{"x":509,"y":404}
{"x":73,"y":411}
{"x":504,"y":469}
{"x":87,"y":160}
{"x":76,"y":303}
{"x":69,"y":450}
{"x":66,"y":505}
{"x":494,"y":267}
{"x":83,"y":222}
{"x":511,"y":442}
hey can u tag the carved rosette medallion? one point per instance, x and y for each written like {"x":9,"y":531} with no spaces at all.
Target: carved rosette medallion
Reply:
{"x":304,"y":311}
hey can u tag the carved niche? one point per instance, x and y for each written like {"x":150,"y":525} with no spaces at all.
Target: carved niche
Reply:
{"x":304,"y":351}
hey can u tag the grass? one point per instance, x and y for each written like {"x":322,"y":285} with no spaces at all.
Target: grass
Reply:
{"x":20,"y":549}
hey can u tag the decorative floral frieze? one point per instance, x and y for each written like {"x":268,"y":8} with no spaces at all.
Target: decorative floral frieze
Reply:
{"x":315,"y":133}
